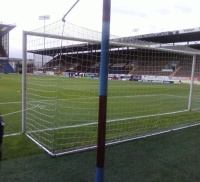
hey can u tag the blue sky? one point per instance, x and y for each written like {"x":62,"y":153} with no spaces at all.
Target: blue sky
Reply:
{"x":127,"y":16}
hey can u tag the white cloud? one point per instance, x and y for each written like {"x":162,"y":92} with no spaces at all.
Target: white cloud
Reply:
{"x":147,"y":16}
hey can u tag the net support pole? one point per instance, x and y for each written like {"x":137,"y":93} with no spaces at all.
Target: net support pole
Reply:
{"x":192,"y":82}
{"x":103,"y":87}
{"x":24,"y":58}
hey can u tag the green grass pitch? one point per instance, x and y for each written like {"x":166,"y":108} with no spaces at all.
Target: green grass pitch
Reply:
{"x":134,"y":109}
{"x":168,"y":157}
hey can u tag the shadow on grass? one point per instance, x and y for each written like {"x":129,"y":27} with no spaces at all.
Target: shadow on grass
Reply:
{"x":170,"y":157}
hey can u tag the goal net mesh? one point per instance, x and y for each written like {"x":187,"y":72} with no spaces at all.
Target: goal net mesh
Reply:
{"x":152,"y":88}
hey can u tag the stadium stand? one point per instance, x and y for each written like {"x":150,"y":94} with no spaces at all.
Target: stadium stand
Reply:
{"x":131,"y":61}
{"x":2,"y":51}
{"x":5,"y":66}
{"x":8,"y":68}
{"x":1,"y":69}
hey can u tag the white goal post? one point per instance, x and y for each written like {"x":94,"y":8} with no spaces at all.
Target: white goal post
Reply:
{"x":152,"y":88}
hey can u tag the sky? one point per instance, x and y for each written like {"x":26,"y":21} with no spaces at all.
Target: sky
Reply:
{"x":128,"y":17}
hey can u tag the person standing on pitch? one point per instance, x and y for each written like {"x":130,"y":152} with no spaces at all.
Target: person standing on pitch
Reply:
{"x":1,"y":134}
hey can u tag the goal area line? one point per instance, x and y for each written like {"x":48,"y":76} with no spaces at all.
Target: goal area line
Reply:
{"x":108,"y":121}
{"x":71,"y":99}
{"x":108,"y":144}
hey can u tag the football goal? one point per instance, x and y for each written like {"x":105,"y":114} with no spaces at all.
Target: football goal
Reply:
{"x":152,"y":88}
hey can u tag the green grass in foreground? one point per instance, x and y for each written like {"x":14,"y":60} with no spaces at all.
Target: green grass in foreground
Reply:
{"x":133,"y":108}
{"x":170,"y":157}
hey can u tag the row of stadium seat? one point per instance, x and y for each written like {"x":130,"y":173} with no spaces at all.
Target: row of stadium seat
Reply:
{"x":5,"y":67}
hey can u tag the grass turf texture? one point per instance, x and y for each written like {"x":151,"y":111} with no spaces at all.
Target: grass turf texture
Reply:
{"x":68,"y":108}
{"x":134,"y":109}
{"x":19,"y":150}
{"x":168,"y":157}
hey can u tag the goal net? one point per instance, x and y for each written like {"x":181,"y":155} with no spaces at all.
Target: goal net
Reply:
{"x":153,"y":88}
